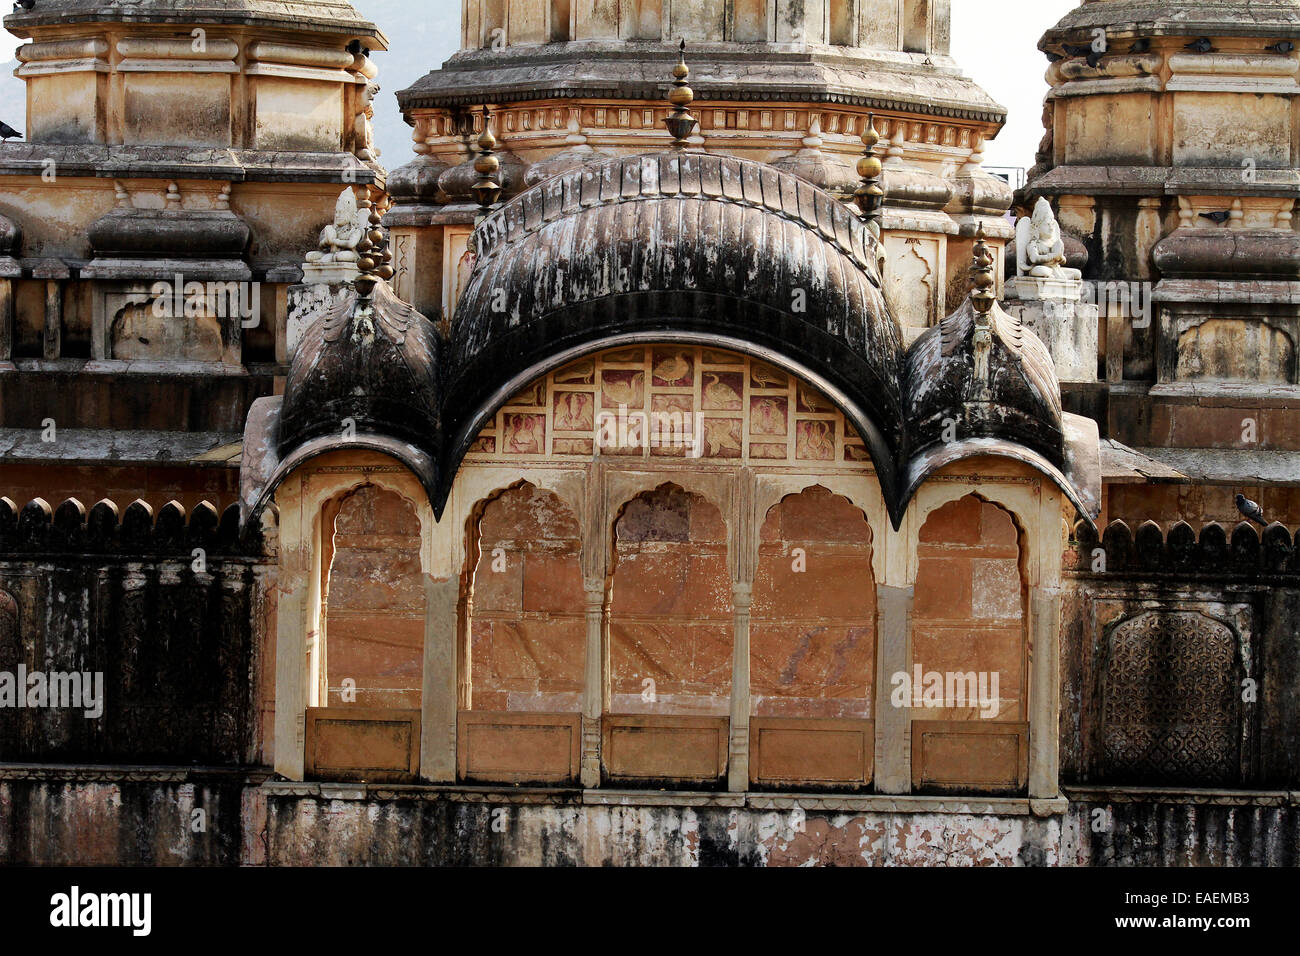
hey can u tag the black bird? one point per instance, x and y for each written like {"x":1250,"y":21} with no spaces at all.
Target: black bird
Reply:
{"x":356,"y":49}
{"x":1251,"y":510}
{"x":1093,"y":55}
{"x":1219,"y":215}
{"x":1203,"y":45}
{"x":8,"y":132}
{"x":1140,"y":45}
{"x":24,"y":4}
{"x":1281,"y":46}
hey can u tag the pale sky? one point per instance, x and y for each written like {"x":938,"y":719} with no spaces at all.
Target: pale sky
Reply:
{"x":994,"y":42}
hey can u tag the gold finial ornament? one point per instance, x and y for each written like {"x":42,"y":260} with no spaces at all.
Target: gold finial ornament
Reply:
{"x":375,"y":257}
{"x":870,"y":195}
{"x":982,"y":277}
{"x":681,"y":123}
{"x":488,"y":187}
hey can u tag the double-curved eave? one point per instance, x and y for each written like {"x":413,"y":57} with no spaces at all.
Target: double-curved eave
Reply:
{"x":685,"y":248}
{"x":262,"y":469}
{"x":1079,"y":480}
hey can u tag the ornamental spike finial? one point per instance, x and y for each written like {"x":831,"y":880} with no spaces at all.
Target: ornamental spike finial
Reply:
{"x":488,"y":187}
{"x":870,"y":195}
{"x":681,"y":123}
{"x":982,"y":277}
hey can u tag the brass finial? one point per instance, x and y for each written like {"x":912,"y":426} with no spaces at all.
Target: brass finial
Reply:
{"x":488,"y":188}
{"x":681,"y":123}
{"x":981,"y":274}
{"x":375,"y":258}
{"x":870,"y":196}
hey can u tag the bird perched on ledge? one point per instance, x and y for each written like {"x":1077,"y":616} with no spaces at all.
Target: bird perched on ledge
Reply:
{"x":1203,"y":45}
{"x":24,"y":4}
{"x":8,"y":132}
{"x":1219,"y":215}
{"x":1251,"y":510}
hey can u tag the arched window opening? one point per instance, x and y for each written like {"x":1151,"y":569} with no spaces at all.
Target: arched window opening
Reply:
{"x":812,"y":645}
{"x":524,"y":658}
{"x":967,"y":687}
{"x":671,"y":631}
{"x":368,"y":659}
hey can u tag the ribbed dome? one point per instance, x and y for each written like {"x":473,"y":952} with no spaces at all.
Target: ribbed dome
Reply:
{"x":684,"y":247}
{"x":949,"y":402}
{"x":375,"y":366}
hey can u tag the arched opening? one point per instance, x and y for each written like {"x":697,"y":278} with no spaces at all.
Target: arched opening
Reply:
{"x":366,"y":663}
{"x":670,"y":641}
{"x":813,"y":646}
{"x":523,"y":642}
{"x":967,"y":688}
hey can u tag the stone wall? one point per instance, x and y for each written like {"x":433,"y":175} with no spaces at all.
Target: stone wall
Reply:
{"x":164,"y":618}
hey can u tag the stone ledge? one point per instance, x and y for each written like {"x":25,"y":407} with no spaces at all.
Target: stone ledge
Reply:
{"x":120,"y":773}
{"x":1189,"y":796}
{"x":780,"y":802}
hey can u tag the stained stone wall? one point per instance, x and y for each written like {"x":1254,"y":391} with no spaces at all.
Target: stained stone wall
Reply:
{"x":170,"y":613}
{"x":1180,"y":659}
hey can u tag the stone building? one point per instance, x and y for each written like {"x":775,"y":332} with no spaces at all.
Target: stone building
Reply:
{"x":676,"y":461}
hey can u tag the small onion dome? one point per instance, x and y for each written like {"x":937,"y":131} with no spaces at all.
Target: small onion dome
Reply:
{"x":368,"y":366}
{"x":1010,"y":393}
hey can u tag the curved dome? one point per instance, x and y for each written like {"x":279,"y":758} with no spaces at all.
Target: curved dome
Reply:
{"x":373,"y":365}
{"x":684,"y":247}
{"x":949,"y":400}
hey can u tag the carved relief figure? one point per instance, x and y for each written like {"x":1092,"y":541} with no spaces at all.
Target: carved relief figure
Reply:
{"x":339,"y":239}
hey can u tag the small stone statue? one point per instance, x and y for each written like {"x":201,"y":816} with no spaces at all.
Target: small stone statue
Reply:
{"x":335,"y":258}
{"x":339,"y":240}
{"x":1040,"y":251}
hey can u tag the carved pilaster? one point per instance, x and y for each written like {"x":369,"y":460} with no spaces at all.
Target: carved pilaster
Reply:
{"x":893,"y":724}
{"x":1044,"y":692}
{"x":742,"y":595}
{"x":596,"y":680}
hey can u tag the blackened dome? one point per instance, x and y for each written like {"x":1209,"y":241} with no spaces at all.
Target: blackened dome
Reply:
{"x":368,"y":366}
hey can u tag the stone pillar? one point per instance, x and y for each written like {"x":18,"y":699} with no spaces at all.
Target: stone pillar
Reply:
{"x":6,"y":319}
{"x":893,"y":772}
{"x":291,"y":624}
{"x":595,"y":681}
{"x":439,"y":698}
{"x":742,"y":596}
{"x":1045,"y":692}
{"x":53,"y":318}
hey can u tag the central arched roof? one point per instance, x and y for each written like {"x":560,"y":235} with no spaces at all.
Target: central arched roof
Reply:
{"x":683,"y":247}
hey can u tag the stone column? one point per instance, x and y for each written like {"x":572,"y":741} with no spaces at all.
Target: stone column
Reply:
{"x":1044,"y":692}
{"x":595,"y":681}
{"x":6,"y":319}
{"x":893,"y":771}
{"x":291,"y":624}
{"x":742,"y":596}
{"x":53,"y":319}
{"x":439,"y":697}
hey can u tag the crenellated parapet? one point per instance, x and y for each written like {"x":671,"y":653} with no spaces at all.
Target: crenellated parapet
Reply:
{"x":1215,"y":552}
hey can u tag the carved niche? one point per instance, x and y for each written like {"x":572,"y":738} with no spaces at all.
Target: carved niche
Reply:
{"x":1171,"y":701}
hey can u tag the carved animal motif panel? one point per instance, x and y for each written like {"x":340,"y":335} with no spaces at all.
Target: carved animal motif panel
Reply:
{"x":672,"y":401}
